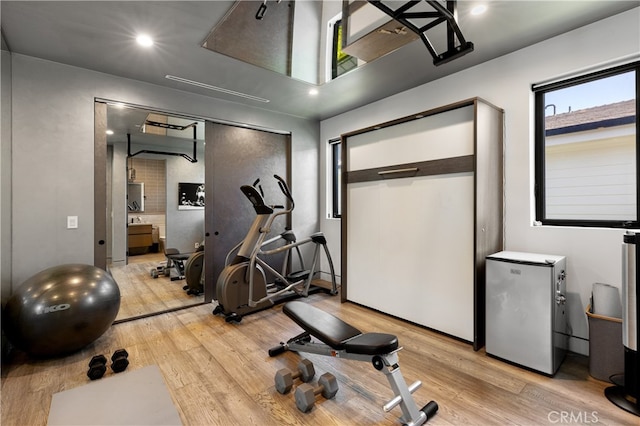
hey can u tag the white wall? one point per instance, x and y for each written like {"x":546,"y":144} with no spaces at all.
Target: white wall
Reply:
{"x":53,"y":155}
{"x":593,"y":255}
{"x":307,"y":32}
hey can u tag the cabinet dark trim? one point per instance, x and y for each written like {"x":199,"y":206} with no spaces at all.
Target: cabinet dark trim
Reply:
{"x":444,"y":166}
{"x":419,"y":115}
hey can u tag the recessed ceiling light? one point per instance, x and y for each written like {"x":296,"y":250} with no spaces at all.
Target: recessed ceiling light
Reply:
{"x":313,"y":92}
{"x":144,"y":40}
{"x":479,"y":9}
{"x":109,"y":132}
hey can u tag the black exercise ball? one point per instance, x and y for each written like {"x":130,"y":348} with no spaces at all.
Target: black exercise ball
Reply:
{"x":61,"y":309}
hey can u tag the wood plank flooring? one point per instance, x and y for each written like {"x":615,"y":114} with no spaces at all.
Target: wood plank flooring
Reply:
{"x":221,"y":374}
{"x":142,"y":294}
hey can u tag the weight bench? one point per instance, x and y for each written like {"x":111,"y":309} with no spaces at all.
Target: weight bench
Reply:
{"x":175,"y":260}
{"x":341,"y":340}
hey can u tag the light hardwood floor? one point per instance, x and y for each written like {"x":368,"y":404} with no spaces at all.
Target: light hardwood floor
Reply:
{"x":142,"y":294}
{"x":221,"y":374}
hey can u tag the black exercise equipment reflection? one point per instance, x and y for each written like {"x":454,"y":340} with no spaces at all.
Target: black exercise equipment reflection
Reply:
{"x":188,"y":266}
{"x":175,"y":260}
{"x":342,"y":340}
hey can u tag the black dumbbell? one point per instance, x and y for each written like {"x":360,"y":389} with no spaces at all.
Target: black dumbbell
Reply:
{"x":97,"y":367}
{"x":285,"y":377}
{"x":119,"y":360}
{"x":306,"y":394}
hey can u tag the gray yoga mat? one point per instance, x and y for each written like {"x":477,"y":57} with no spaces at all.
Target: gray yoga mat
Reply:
{"x":138,"y":397}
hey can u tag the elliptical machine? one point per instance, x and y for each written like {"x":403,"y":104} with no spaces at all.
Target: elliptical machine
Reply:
{"x":242,"y":286}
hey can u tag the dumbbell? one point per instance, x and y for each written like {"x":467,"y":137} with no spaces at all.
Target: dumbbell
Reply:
{"x":97,"y":367}
{"x":285,"y":377}
{"x":119,"y":360}
{"x":306,"y":394}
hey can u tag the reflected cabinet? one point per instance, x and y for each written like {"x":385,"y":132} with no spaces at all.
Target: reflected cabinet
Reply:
{"x":422,"y":206}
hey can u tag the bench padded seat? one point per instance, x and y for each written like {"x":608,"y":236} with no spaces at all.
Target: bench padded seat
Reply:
{"x":372,"y":344}
{"x":324,"y":326}
{"x":336,"y":333}
{"x":174,"y":254}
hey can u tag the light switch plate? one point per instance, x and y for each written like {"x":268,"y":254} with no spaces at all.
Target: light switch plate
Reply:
{"x":72,"y":222}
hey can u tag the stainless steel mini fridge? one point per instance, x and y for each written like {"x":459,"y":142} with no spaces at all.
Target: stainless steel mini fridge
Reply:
{"x":525,"y":309}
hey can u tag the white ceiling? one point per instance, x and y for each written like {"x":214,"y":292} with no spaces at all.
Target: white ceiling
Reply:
{"x":99,"y":35}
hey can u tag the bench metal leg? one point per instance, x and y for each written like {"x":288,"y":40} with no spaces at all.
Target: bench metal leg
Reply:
{"x":410,"y":413}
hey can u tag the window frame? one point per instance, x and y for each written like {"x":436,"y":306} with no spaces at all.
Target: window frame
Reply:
{"x":335,"y":49}
{"x":335,"y":146}
{"x":539,"y":148}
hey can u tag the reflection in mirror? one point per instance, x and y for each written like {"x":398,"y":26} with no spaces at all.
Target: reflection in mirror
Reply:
{"x":316,"y":41}
{"x":135,"y":196}
{"x":300,"y":39}
{"x":154,"y":247}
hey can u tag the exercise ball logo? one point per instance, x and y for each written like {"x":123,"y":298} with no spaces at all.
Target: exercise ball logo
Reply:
{"x":55,"y":308}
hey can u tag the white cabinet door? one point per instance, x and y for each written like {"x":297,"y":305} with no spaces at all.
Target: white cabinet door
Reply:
{"x":410,"y":249}
{"x":445,"y":135}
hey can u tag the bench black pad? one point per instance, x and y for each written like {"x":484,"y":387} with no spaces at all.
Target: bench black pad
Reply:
{"x":336,"y":333}
{"x":324,"y":326}
{"x":179,"y":256}
{"x":174,"y":254}
{"x":372,"y":344}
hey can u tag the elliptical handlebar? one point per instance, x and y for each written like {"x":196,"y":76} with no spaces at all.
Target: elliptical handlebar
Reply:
{"x":285,"y":190}
{"x":257,"y":185}
{"x":255,"y":194}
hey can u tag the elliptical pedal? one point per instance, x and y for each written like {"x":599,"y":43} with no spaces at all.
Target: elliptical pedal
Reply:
{"x":298,"y":276}
{"x":277,"y":285}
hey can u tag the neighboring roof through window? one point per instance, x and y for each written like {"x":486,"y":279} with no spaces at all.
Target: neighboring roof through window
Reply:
{"x":616,"y":114}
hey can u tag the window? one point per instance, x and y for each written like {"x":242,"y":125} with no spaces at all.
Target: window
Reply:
{"x":586,"y":152}
{"x":341,"y":63}
{"x":336,"y":180}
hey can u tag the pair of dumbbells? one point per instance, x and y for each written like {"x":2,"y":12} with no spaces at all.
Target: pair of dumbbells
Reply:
{"x":305,"y":394}
{"x":285,"y":377}
{"x":98,"y":364}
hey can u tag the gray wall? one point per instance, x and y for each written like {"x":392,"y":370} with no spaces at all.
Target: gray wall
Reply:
{"x":117,"y":204}
{"x":5,"y":173}
{"x":184,"y":227}
{"x":53,"y":151}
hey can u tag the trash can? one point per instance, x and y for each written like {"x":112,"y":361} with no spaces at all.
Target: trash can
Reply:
{"x":606,"y":352}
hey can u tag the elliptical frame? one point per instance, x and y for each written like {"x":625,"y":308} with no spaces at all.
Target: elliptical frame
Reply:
{"x":236,"y":299}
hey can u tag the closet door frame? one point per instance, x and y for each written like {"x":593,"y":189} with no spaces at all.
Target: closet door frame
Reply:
{"x":486,"y":164}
